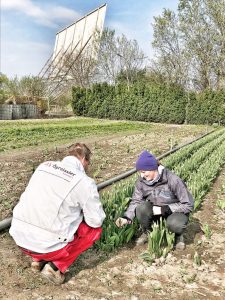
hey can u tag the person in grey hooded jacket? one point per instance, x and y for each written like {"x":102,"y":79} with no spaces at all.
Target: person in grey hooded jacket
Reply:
{"x":158,"y":193}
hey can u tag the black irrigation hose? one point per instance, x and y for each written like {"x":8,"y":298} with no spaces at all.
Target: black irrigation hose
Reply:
{"x":4,"y":224}
{"x":130,"y":172}
{"x":7,"y":222}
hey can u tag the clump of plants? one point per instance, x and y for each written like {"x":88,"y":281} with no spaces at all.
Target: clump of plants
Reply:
{"x":160,"y":242}
{"x":221,"y":204}
{"x":207,"y":231}
{"x":197,"y":259}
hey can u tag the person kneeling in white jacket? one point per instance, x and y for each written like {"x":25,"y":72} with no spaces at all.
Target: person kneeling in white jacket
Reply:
{"x":59,"y":214}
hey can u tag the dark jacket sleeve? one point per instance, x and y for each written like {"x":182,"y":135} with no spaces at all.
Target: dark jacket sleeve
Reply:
{"x":137,"y":198}
{"x":185,"y":202}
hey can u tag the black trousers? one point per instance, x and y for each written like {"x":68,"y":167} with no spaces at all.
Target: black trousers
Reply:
{"x":176,"y":222}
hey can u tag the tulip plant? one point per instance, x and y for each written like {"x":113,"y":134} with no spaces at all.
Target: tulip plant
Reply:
{"x":198,"y":164}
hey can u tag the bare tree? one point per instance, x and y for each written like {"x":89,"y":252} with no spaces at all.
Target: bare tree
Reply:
{"x":170,"y":60}
{"x":216,"y":13}
{"x":3,"y":92}
{"x":190,"y":45}
{"x":118,"y":55}
{"x":82,"y":71}
{"x":27,"y":88}
{"x":107,"y":58}
{"x":108,"y":65}
{"x":198,"y":35}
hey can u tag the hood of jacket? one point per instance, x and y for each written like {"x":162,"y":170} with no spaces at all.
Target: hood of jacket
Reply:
{"x":73,"y":163}
{"x":160,"y":178}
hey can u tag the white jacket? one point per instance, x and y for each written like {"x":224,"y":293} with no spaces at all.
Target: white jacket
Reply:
{"x":57,"y":199}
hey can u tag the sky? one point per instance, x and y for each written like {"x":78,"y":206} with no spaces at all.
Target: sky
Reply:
{"x":28,"y":27}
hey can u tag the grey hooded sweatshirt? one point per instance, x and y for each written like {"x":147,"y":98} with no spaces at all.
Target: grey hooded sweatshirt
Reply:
{"x":168,"y":189}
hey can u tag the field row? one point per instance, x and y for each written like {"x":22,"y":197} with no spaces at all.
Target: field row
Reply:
{"x":22,"y":134}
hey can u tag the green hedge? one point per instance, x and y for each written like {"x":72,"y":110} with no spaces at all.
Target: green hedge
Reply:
{"x":149,"y":102}
{"x":207,"y":107}
{"x":143,"y":102}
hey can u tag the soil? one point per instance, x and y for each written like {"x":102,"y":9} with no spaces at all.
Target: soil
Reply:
{"x":121,"y":275}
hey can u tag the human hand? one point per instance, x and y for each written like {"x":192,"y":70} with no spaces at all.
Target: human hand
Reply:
{"x":120,"y":222}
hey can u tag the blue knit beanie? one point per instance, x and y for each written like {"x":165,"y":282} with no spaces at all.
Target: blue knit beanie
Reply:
{"x":146,"y":162}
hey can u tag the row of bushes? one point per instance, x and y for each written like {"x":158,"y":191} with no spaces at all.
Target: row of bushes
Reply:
{"x":207,"y":107}
{"x":149,"y":102}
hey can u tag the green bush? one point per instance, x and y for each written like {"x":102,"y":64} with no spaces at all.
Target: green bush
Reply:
{"x":207,"y":107}
{"x":150,"y":102}
{"x":142,"y":102}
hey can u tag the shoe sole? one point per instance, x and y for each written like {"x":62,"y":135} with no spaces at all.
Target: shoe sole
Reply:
{"x":180,"y":247}
{"x":48,"y":274}
{"x":51,"y":279}
{"x":37,"y":269}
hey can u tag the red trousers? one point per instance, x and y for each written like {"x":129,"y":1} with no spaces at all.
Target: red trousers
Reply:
{"x":84,"y":238}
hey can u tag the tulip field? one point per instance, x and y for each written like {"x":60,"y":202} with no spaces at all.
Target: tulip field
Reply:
{"x":114,"y":268}
{"x":198,"y":164}
{"x":115,"y":145}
